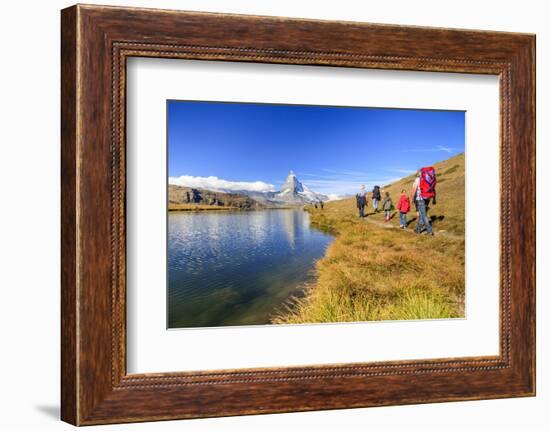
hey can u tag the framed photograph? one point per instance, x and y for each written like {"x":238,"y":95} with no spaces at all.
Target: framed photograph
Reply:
{"x":265,"y":215}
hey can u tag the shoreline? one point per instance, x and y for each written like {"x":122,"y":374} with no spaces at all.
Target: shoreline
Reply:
{"x":213,"y":208}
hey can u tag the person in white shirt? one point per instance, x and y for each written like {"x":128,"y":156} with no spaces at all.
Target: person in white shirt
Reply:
{"x":361,"y":200}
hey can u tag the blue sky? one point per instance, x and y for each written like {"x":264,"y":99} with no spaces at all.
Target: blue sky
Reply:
{"x":332,"y":150}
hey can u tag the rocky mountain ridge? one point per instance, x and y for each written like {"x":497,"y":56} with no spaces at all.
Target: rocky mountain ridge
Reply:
{"x":295,"y":193}
{"x":292,"y":193}
{"x":179,"y":195}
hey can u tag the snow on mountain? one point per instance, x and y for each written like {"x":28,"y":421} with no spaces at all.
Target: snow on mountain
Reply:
{"x":293,"y":192}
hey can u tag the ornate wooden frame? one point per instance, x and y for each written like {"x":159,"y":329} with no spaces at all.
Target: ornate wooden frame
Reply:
{"x":95,"y":42}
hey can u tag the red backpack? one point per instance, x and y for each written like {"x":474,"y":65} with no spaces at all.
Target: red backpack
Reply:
{"x":428,"y":181}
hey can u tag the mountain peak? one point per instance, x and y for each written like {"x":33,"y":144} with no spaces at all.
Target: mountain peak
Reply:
{"x":294,"y":192}
{"x":292,"y":185}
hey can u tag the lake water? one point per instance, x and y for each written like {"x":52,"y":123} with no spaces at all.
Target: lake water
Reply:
{"x":230,"y":268}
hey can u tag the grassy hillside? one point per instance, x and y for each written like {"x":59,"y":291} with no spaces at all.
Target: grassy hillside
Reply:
{"x":375,"y":271}
{"x":447,"y":215}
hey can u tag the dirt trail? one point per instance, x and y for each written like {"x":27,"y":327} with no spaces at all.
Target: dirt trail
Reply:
{"x":410,"y":228}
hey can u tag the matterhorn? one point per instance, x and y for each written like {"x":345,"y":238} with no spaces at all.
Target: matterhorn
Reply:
{"x":293,"y":192}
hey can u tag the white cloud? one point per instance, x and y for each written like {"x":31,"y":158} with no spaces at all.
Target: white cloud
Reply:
{"x":335,"y":185}
{"x":335,"y":197}
{"x":404,"y":171}
{"x":218,"y":184}
{"x":438,"y":148}
{"x":446,"y":149}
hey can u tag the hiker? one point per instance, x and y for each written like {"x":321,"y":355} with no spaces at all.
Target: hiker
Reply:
{"x":375,"y":198}
{"x":387,"y":206}
{"x":322,"y":204}
{"x":403,"y":206}
{"x":315,"y":205}
{"x":422,"y":192}
{"x":361,"y":199}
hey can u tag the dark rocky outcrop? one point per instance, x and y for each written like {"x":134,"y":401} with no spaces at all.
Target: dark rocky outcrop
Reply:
{"x":186,"y":195}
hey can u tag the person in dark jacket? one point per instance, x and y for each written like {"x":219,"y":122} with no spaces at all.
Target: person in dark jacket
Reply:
{"x":375,"y":198}
{"x":387,"y":206}
{"x":361,"y":200}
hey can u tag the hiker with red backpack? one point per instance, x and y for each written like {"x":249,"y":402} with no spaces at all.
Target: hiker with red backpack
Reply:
{"x":403,"y":206}
{"x":423,"y":191}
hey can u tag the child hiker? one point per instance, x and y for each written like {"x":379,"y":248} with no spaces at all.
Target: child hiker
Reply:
{"x":387,"y":206}
{"x":403,"y":206}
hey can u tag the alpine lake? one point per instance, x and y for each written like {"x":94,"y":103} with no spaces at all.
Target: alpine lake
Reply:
{"x":230,"y":268}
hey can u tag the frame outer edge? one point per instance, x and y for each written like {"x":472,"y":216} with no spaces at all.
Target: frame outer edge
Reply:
{"x":532,"y":83}
{"x":523,"y":223}
{"x":529,"y":62}
{"x":69,"y":201}
{"x":87,"y":396}
{"x":533,"y":54}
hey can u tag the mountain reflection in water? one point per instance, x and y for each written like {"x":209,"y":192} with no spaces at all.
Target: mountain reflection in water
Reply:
{"x":230,"y":268}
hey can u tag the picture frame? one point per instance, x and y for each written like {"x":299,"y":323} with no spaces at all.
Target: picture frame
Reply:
{"x":96,"y":42}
